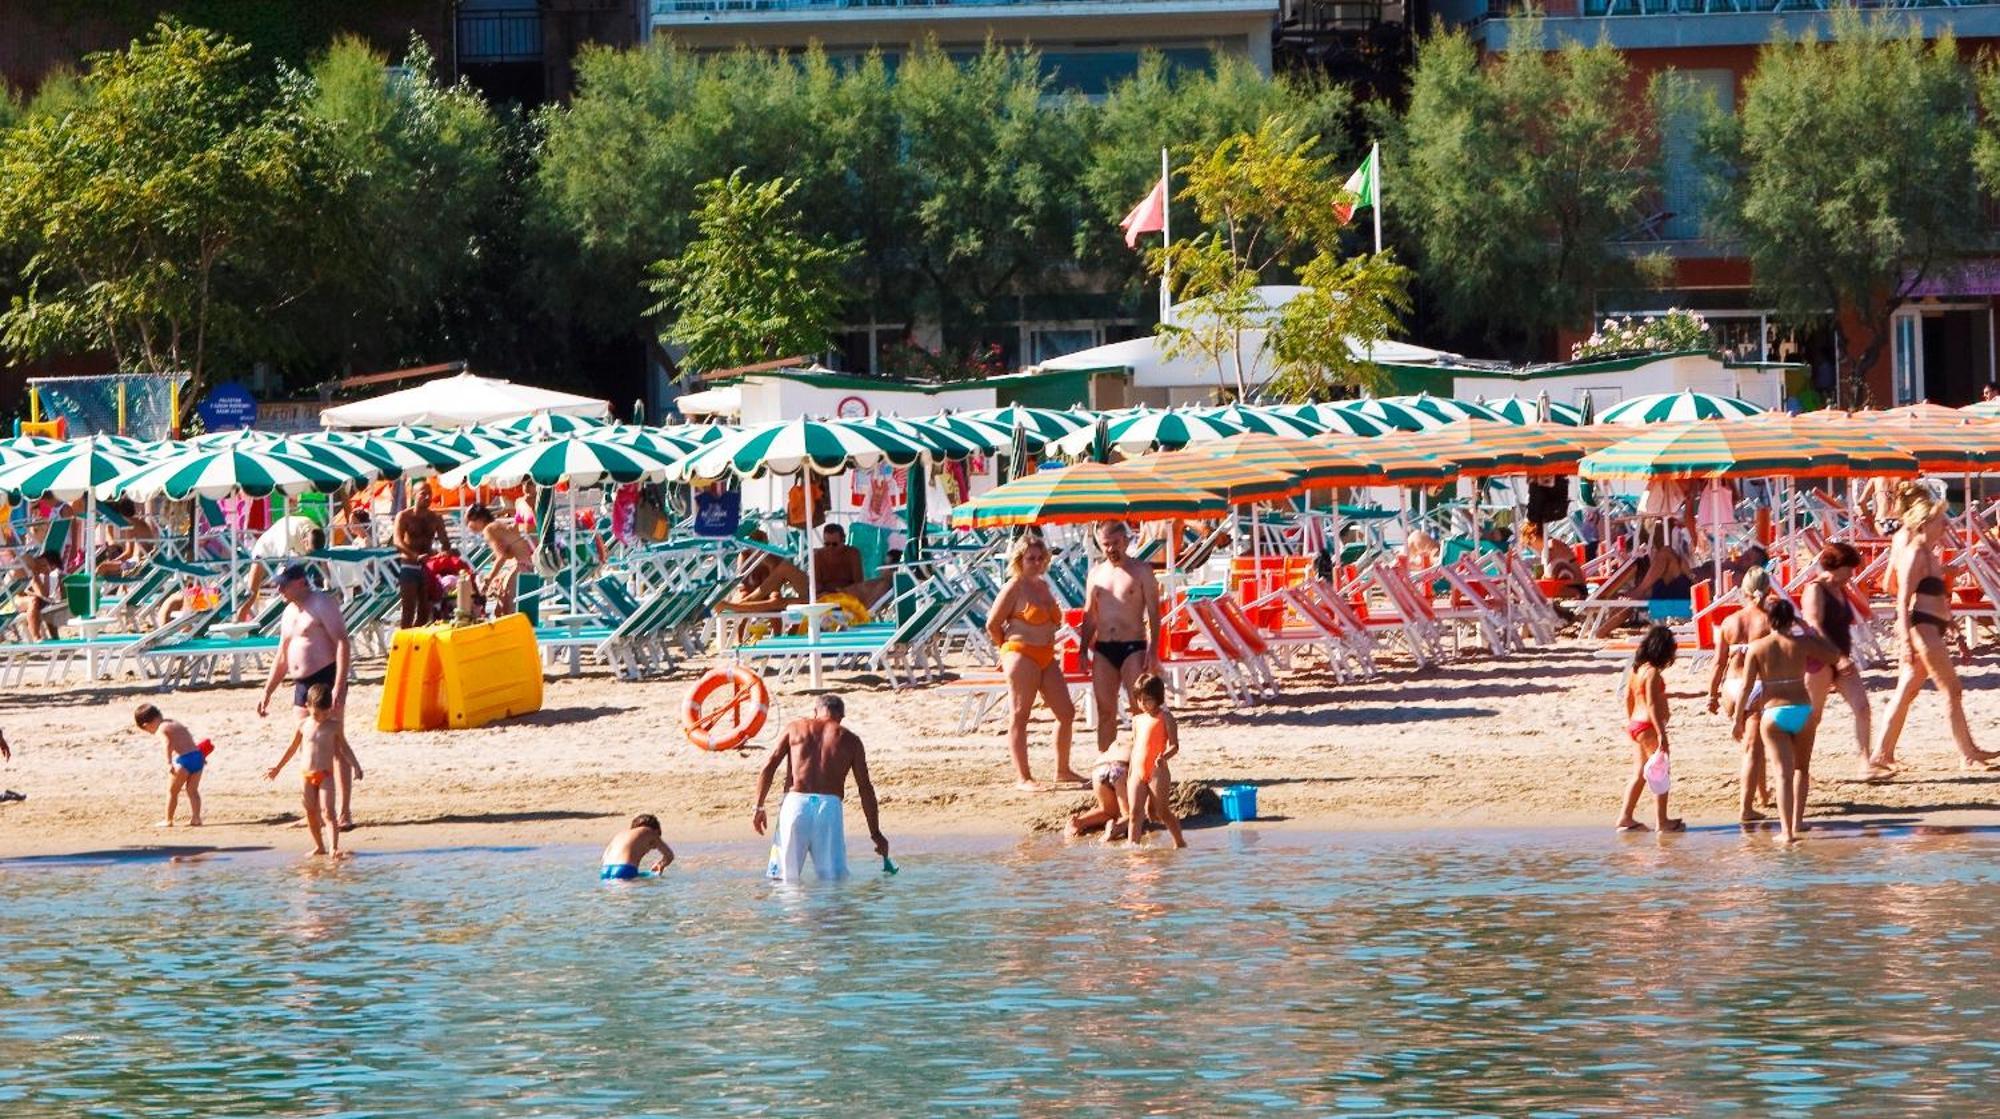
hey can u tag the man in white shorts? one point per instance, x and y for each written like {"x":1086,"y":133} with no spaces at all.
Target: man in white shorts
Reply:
{"x":820,"y":753}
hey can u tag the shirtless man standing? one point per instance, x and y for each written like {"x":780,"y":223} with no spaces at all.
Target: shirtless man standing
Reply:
{"x":512,"y":555}
{"x":313,"y":648}
{"x":820,"y":753}
{"x":418,"y":533}
{"x":1121,"y":627}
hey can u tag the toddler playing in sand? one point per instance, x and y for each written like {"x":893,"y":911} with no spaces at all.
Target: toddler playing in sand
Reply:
{"x":326,"y":746}
{"x":1155,"y":738}
{"x":186,"y":758}
{"x":630,"y":847}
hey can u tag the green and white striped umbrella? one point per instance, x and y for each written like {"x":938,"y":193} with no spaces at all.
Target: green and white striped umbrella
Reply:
{"x":822,"y":446}
{"x":1336,"y":417}
{"x":937,"y":441}
{"x":1685,"y":406}
{"x":655,"y":441}
{"x":221,"y":472}
{"x":1521,"y":410}
{"x":576,"y":459}
{"x":67,"y":473}
{"x":233,"y":437}
{"x":700,"y":434}
{"x":416,"y":459}
{"x":1043,"y":425}
{"x":30,"y":444}
{"x":1266,"y":421}
{"x":1149,"y":431}
{"x":1422,"y":412}
{"x":548,"y":425}
{"x":352,"y":461}
{"x":986,"y":435}
{"x":472,"y":443}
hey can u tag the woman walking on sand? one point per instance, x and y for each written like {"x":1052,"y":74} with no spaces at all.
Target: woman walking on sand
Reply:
{"x":1787,"y":718}
{"x":1824,"y":606}
{"x":1725,"y":684}
{"x":1923,"y":616}
{"x":1023,"y":624}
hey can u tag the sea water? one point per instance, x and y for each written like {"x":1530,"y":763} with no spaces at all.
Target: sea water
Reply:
{"x":1559,"y":973}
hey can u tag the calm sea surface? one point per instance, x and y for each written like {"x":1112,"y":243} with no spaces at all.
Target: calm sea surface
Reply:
{"x":1423,"y":975}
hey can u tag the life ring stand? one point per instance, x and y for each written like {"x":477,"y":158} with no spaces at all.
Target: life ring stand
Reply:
{"x":746,"y":689}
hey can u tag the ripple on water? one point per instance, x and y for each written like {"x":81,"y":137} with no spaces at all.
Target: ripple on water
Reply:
{"x":1451,"y":976}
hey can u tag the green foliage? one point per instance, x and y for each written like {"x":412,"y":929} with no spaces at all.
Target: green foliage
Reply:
{"x":1516,"y":179}
{"x":1161,"y":107}
{"x":1848,"y":174}
{"x":424,"y":165}
{"x":141,"y":206}
{"x":751,"y":286}
{"x":1266,"y":202}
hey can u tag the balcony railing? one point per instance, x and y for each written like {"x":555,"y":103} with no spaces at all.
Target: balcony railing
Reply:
{"x":1502,"y":9}
{"x":499,"y":36}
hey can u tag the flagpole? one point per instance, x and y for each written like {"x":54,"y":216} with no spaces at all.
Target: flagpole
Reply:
{"x":1167,"y":236}
{"x":1375,"y":157}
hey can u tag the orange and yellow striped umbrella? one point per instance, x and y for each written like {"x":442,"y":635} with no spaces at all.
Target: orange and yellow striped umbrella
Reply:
{"x":1957,"y":445}
{"x":1087,"y":491}
{"x":1239,"y":481}
{"x":1320,"y":466}
{"x":1486,"y":447}
{"x":1781,"y":446}
{"x":1389,"y":461}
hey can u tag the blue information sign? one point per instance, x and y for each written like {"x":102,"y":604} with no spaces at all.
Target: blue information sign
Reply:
{"x":227,"y":406}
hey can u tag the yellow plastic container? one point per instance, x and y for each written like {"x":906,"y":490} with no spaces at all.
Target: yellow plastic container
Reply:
{"x":490,"y":671}
{"x":413,"y":686}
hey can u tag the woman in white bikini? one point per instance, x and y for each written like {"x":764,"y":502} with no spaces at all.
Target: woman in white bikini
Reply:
{"x":1725,"y":684}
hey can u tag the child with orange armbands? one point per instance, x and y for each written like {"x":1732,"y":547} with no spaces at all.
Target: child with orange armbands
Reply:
{"x":186,"y":758}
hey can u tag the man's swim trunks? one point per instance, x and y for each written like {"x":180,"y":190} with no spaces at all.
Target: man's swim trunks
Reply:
{"x":190,"y":762}
{"x":810,"y":826}
{"x":618,"y":872}
{"x":1117,"y":652}
{"x":327,"y":675}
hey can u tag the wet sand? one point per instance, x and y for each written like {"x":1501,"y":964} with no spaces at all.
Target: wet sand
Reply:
{"x":1530,"y":740}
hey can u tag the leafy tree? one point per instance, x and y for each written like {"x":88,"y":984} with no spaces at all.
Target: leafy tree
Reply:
{"x":424,"y":163}
{"x":1163,"y":107}
{"x":1848,"y":176}
{"x":143,"y":205}
{"x":752,"y":286}
{"x":994,"y":156}
{"x":1518,"y":178}
{"x":1268,"y":205}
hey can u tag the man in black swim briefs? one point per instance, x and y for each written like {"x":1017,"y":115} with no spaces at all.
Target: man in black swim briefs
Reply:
{"x":1121,"y":627}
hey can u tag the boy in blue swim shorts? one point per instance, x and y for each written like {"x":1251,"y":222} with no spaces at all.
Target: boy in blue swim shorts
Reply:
{"x":628,"y":848}
{"x":186,"y":758}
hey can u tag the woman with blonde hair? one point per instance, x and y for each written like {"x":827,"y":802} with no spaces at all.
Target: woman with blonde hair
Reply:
{"x":1733,"y":639}
{"x":1023,"y":624}
{"x":1923,"y":616}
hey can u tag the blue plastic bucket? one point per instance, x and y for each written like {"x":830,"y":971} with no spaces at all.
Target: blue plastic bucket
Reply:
{"x":1239,"y":803}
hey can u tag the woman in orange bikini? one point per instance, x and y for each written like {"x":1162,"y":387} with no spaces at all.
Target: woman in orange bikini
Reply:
{"x":1923,"y":622}
{"x":1023,"y":624}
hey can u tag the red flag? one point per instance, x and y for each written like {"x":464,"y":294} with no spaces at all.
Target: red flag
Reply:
{"x":1149,"y":216}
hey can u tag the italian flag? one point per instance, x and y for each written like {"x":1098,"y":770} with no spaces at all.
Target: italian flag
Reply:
{"x":1363,"y":185}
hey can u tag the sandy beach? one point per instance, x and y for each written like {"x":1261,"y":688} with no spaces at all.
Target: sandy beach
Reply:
{"x":1528,"y":740}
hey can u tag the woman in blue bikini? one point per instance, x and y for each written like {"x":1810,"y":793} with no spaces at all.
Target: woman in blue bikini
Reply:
{"x":1774,"y":680}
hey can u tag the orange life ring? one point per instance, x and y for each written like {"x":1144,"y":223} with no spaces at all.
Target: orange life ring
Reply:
{"x":746,"y":688}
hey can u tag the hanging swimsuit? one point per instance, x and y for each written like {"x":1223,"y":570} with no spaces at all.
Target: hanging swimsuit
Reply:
{"x":1034,"y":615}
{"x":1929,"y":584}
